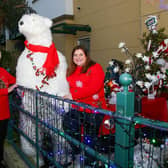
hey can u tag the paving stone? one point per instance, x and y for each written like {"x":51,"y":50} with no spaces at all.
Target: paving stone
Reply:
{"x":12,"y":158}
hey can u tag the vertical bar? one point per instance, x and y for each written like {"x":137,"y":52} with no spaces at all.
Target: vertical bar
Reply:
{"x":10,"y":122}
{"x":124,"y":134}
{"x":37,"y":138}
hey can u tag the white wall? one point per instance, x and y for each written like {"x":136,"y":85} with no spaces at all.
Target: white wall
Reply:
{"x":52,"y":8}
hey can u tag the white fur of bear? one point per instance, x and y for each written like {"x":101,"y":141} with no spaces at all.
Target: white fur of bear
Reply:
{"x":36,"y":30}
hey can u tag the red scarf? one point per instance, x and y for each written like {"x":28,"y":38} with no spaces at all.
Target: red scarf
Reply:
{"x":51,"y":61}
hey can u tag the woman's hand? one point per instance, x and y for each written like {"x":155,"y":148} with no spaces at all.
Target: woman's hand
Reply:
{"x":12,"y":87}
{"x":69,"y":96}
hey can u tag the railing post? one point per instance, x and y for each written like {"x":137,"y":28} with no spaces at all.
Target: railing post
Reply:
{"x":124,"y":134}
{"x":37,"y":131}
{"x":10,"y":128}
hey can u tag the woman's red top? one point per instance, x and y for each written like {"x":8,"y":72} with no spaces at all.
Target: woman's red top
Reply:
{"x":8,"y":79}
{"x":88,"y":87}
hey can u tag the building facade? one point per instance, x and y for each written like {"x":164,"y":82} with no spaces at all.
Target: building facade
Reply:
{"x":100,"y":25}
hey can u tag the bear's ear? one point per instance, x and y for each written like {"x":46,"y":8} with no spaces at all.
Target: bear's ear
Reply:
{"x":48,"y":22}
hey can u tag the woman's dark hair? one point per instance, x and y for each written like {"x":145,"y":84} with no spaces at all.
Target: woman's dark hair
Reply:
{"x":87,"y":65}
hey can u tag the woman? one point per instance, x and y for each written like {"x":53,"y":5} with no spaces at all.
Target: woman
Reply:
{"x":7,"y":84}
{"x":86,"y":79}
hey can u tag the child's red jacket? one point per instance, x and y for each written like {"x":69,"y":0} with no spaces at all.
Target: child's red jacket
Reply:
{"x":8,"y":79}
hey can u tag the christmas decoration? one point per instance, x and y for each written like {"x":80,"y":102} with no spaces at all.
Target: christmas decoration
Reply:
{"x":152,"y":148}
{"x":130,"y":66}
{"x":149,"y":69}
{"x":37,"y":58}
{"x":151,"y":23}
{"x":111,"y":83}
{"x":40,"y":66}
{"x":148,"y":154}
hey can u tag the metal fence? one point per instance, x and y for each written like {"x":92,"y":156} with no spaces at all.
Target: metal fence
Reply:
{"x":51,"y":131}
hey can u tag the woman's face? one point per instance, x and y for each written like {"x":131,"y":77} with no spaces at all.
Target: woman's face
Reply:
{"x":79,"y":57}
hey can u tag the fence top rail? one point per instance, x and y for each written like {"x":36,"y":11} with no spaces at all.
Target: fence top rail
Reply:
{"x":135,"y":119}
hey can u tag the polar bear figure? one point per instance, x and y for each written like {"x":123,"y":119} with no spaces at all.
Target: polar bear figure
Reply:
{"x":40,"y":66}
{"x":36,"y":30}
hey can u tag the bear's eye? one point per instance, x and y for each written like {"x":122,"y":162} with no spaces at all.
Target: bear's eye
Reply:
{"x":21,"y":23}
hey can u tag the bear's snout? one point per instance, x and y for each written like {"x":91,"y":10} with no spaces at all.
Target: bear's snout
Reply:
{"x":21,"y":23}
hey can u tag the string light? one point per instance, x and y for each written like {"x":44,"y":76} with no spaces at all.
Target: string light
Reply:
{"x":87,"y":140}
{"x":62,"y":110}
{"x":81,"y":158}
{"x":153,"y":141}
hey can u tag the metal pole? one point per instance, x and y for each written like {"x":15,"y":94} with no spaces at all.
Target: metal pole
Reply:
{"x":124,"y":134}
{"x":37,"y":130}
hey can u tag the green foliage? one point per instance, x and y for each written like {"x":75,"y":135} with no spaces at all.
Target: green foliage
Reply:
{"x":9,"y":60}
{"x":148,"y":74}
{"x":156,"y":39}
{"x":12,"y":11}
